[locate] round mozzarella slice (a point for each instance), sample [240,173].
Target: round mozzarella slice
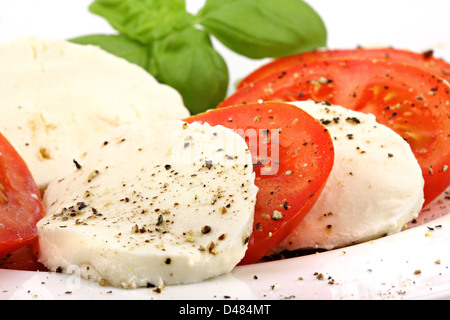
[55,96]
[374,189]
[168,204]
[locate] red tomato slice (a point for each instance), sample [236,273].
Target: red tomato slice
[22,259]
[424,60]
[292,159]
[20,202]
[411,101]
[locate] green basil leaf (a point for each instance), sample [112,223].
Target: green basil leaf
[263,28]
[144,20]
[187,61]
[118,45]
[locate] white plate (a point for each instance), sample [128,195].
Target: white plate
[413,264]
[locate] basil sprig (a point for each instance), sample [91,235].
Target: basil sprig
[175,46]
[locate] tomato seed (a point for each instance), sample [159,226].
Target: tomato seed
[3,197]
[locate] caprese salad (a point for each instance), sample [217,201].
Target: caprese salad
[314,151]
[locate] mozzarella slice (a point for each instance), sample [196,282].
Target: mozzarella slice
[167,204]
[374,188]
[55,96]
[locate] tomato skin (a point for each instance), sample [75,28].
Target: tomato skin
[20,203]
[424,60]
[411,101]
[301,155]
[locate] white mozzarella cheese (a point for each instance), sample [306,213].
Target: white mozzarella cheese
[167,204]
[374,189]
[55,96]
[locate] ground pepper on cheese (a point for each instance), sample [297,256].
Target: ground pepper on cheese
[57,96]
[143,208]
[374,189]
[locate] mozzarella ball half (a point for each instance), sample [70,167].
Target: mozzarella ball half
[374,189]
[170,203]
[56,97]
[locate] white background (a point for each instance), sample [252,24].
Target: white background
[411,24]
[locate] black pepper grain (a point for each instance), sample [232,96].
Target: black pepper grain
[160,220]
[206,229]
[77,165]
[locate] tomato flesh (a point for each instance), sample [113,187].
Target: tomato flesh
[408,99]
[292,158]
[22,259]
[424,60]
[20,203]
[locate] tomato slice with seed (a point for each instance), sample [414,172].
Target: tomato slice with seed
[292,156]
[424,60]
[20,203]
[411,101]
